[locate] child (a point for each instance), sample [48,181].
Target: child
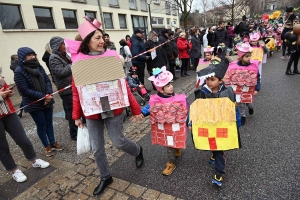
[214,87]
[244,63]
[208,54]
[278,37]
[162,80]
[134,82]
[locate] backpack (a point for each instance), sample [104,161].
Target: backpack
[237,28]
[122,52]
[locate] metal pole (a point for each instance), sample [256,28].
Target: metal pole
[101,15]
[150,15]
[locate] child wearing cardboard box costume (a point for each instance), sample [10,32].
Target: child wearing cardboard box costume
[168,114]
[100,92]
[244,77]
[213,117]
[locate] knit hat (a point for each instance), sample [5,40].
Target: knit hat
[243,48]
[55,43]
[161,77]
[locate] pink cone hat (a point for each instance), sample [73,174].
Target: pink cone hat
[243,48]
[88,26]
[208,49]
[161,77]
[254,36]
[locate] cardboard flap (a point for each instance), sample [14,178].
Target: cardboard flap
[95,70]
[202,66]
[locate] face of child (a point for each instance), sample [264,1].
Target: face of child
[168,89]
[213,83]
[134,76]
[208,56]
[254,43]
[246,58]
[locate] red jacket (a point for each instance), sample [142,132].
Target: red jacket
[183,48]
[8,102]
[129,44]
[77,111]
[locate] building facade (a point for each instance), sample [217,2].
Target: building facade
[32,23]
[261,6]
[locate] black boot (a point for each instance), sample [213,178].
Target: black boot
[139,160]
[243,121]
[102,185]
[289,72]
[20,112]
[296,71]
[251,111]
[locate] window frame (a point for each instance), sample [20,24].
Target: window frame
[111,18]
[50,10]
[125,17]
[95,13]
[146,5]
[20,13]
[135,4]
[75,13]
[114,5]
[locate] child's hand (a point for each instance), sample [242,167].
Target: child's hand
[190,128]
[255,93]
[141,86]
[135,118]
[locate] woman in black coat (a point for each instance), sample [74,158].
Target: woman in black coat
[209,36]
[196,47]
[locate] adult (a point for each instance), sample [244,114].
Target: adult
[10,123]
[220,36]
[127,38]
[110,45]
[210,36]
[196,47]
[230,31]
[137,47]
[172,62]
[46,58]
[33,84]
[60,66]
[125,52]
[93,45]
[205,40]
[177,32]
[184,48]
[243,27]
[159,59]
[290,14]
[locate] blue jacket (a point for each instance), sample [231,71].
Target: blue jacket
[25,85]
[137,47]
[133,83]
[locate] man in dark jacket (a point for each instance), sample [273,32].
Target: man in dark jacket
[137,47]
[60,66]
[110,44]
[220,36]
[243,28]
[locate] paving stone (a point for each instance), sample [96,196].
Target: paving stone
[90,189]
[42,194]
[87,161]
[91,180]
[135,190]
[150,194]
[58,163]
[53,187]
[88,170]
[44,183]
[53,196]
[79,188]
[108,193]
[82,197]
[163,196]
[92,157]
[119,184]
[120,196]
[28,193]
[62,180]
[70,195]
[24,163]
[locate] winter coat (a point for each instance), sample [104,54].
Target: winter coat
[196,50]
[13,65]
[46,58]
[128,43]
[183,46]
[230,31]
[25,85]
[7,102]
[167,47]
[243,29]
[161,58]
[133,82]
[137,47]
[209,38]
[219,36]
[284,31]
[125,49]
[175,52]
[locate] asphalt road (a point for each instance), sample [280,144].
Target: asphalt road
[267,165]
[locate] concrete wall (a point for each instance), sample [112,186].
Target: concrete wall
[36,38]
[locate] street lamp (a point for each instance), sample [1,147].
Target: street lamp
[149,10]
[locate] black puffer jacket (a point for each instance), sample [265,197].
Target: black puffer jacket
[219,36]
[167,47]
[160,60]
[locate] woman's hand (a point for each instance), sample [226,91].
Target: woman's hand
[135,118]
[4,93]
[78,122]
[48,98]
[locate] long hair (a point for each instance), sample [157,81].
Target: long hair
[84,46]
[48,48]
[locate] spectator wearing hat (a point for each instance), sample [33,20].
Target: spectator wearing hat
[137,47]
[110,45]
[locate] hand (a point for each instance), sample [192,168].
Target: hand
[79,123]
[190,128]
[4,93]
[48,98]
[141,86]
[135,118]
[11,93]
[255,93]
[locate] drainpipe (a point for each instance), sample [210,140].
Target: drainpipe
[101,15]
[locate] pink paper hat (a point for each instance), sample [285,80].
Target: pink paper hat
[88,26]
[161,77]
[243,48]
[254,36]
[208,49]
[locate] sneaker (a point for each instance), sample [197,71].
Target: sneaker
[177,153]
[211,160]
[218,179]
[57,147]
[251,111]
[19,176]
[39,163]
[282,57]
[169,169]
[49,151]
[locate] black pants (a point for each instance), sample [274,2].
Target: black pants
[12,125]
[67,101]
[140,69]
[219,157]
[196,62]
[184,65]
[284,48]
[172,68]
[293,59]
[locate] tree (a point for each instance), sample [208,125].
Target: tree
[184,7]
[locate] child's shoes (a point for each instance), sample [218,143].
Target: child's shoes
[212,160]
[217,180]
[251,111]
[169,169]
[243,120]
[177,153]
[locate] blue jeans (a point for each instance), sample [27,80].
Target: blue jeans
[44,122]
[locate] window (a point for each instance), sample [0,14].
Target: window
[143,5]
[10,17]
[70,19]
[202,132]
[132,4]
[222,133]
[156,1]
[44,18]
[140,22]
[174,9]
[158,20]
[108,20]
[90,14]
[122,20]
[168,21]
[168,8]
[272,7]
[113,2]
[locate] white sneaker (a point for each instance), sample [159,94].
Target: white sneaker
[40,163]
[19,176]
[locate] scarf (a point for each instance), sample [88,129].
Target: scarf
[33,68]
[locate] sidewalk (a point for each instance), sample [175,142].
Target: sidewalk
[73,176]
